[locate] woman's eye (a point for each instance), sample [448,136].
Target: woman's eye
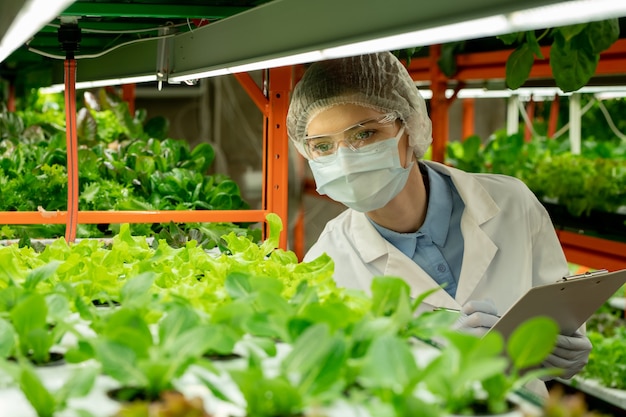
[322,147]
[363,135]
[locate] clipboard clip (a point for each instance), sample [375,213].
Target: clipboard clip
[587,274]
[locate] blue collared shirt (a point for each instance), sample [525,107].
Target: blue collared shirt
[437,247]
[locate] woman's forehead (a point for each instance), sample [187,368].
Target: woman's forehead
[338,118]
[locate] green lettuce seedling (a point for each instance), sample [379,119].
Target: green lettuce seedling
[47,402]
[476,372]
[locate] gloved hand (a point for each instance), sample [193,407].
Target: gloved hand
[477,317]
[570,354]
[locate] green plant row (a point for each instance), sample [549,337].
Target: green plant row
[125,163]
[593,180]
[607,331]
[175,311]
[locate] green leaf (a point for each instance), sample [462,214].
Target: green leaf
[387,293]
[511,38]
[29,314]
[568,32]
[58,307]
[80,353]
[389,364]
[79,384]
[37,343]
[573,63]
[37,395]
[136,291]
[145,165]
[192,343]
[176,321]
[157,127]
[275,225]
[518,66]
[532,342]
[533,43]
[86,126]
[602,34]
[265,325]
[7,338]
[238,285]
[268,397]
[326,378]
[447,59]
[307,349]
[128,328]
[204,155]
[119,362]
[40,274]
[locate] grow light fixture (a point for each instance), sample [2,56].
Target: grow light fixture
[558,14]
[28,18]
[537,93]
[57,88]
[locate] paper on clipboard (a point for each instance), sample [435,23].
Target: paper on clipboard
[569,301]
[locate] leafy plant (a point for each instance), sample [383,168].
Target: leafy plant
[476,372]
[574,54]
[606,360]
[125,163]
[32,322]
[147,364]
[581,183]
[47,402]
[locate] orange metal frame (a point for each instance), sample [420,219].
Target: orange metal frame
[275,168]
[592,251]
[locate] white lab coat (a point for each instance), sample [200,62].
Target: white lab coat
[510,245]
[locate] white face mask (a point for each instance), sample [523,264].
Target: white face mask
[365,180]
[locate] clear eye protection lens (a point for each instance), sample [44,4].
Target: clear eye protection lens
[324,147]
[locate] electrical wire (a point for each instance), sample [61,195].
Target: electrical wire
[609,120]
[238,118]
[527,120]
[131,31]
[99,54]
[565,127]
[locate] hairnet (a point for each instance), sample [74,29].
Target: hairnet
[378,81]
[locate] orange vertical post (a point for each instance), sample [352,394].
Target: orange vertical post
[530,112]
[438,106]
[554,116]
[11,98]
[277,158]
[468,117]
[72,150]
[128,95]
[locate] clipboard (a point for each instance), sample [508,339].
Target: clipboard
[570,301]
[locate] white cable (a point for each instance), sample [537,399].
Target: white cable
[527,120]
[221,160]
[565,127]
[99,54]
[609,120]
[88,30]
[239,117]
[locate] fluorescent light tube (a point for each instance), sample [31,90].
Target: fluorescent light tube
[566,13]
[559,14]
[258,65]
[57,88]
[537,93]
[33,16]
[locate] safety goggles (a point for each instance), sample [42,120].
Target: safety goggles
[353,137]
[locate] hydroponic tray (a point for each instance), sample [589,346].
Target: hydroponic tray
[616,397]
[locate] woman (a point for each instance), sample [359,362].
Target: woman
[363,126]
